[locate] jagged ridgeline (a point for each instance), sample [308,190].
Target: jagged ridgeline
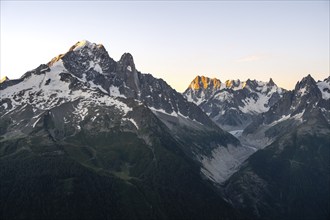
[86,137]
[233,104]
[289,177]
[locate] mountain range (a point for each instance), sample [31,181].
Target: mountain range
[87,137]
[233,104]
[288,177]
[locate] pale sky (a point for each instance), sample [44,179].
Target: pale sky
[175,40]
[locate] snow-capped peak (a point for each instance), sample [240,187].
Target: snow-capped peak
[77,48]
[85,44]
[81,44]
[271,82]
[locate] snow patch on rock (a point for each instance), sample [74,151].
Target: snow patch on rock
[255,106]
[324,87]
[114,91]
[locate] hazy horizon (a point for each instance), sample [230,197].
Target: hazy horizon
[176,41]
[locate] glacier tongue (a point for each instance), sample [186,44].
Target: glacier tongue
[224,161]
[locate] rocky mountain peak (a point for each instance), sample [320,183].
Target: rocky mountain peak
[271,82]
[202,82]
[126,63]
[251,84]
[306,81]
[307,87]
[85,44]
[82,44]
[79,46]
[86,58]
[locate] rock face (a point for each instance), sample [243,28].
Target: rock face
[233,104]
[86,137]
[202,88]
